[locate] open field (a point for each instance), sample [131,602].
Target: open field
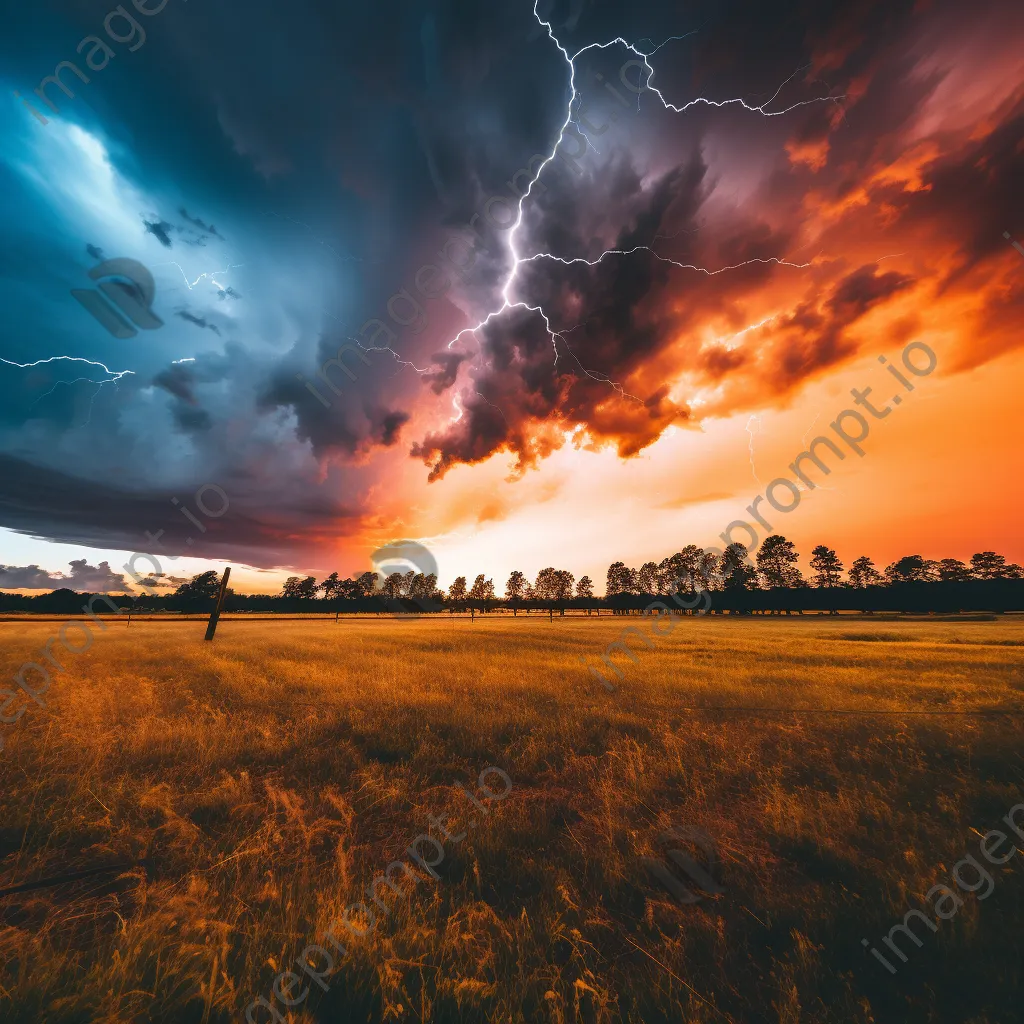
[269,776]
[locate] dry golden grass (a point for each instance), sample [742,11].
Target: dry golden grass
[272,774]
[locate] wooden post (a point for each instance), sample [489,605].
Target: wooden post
[211,626]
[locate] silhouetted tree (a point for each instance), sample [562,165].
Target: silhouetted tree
[987,565]
[585,587]
[647,578]
[424,587]
[776,562]
[544,584]
[911,569]
[952,570]
[863,573]
[515,589]
[298,586]
[364,586]
[332,586]
[705,567]
[564,582]
[457,591]
[739,573]
[670,571]
[827,567]
[617,580]
[392,586]
[482,589]
[203,587]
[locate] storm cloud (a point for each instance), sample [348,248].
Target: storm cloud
[816,183]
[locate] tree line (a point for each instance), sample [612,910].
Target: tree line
[771,579]
[774,565]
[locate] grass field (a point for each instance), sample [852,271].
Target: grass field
[268,777]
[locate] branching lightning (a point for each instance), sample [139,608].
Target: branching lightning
[664,259]
[112,375]
[209,273]
[518,260]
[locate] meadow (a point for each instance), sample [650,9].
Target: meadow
[266,778]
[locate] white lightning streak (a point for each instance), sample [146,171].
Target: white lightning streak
[403,363]
[517,260]
[750,447]
[171,263]
[112,376]
[118,374]
[664,259]
[650,53]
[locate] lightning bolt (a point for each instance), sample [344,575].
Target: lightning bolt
[403,363]
[190,286]
[513,241]
[750,447]
[664,259]
[650,53]
[112,376]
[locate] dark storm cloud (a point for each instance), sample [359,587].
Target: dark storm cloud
[448,363]
[814,336]
[366,412]
[199,321]
[609,319]
[859,291]
[158,580]
[383,130]
[46,503]
[208,229]
[178,380]
[160,230]
[82,577]
[974,193]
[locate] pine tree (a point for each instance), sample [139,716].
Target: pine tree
[863,573]
[776,562]
[827,567]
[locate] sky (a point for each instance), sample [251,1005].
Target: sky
[568,283]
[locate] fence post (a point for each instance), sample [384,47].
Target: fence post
[211,626]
